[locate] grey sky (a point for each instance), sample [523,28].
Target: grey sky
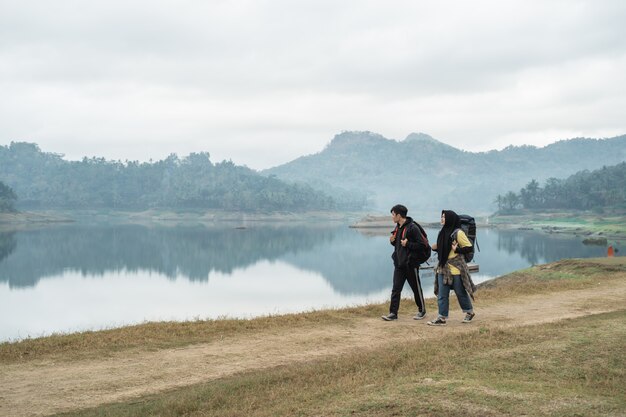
[263,82]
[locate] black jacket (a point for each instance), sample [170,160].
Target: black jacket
[402,254]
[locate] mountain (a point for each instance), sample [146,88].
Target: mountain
[428,175]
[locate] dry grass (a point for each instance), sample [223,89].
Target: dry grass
[572,368]
[161,335]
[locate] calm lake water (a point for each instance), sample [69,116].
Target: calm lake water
[77,277]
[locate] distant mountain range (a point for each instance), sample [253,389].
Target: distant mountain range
[428,175]
[356,170]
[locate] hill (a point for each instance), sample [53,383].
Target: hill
[428,175]
[44,180]
[600,190]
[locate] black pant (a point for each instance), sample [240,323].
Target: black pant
[400,275]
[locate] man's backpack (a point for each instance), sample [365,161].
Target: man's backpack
[468,225]
[422,253]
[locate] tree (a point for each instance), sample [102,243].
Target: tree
[511,201]
[529,195]
[7,198]
[499,201]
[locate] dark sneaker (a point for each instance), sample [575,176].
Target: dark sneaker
[390,317]
[440,321]
[468,317]
[420,315]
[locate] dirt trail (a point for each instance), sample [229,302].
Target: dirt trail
[44,387]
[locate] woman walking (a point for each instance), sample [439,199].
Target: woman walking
[452,272]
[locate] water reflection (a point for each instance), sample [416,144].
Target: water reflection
[351,262]
[190,252]
[7,244]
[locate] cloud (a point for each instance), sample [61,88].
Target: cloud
[263,82]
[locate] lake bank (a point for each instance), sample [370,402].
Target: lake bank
[24,220]
[535,348]
[584,224]
[573,223]
[44,218]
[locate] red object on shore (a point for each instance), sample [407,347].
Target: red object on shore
[610,252]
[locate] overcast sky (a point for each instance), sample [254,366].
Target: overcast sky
[263,82]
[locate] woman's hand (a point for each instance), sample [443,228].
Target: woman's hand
[455,245]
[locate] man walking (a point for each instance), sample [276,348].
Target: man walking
[406,239]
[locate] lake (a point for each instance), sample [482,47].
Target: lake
[89,277]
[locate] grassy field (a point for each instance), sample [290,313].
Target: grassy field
[573,367]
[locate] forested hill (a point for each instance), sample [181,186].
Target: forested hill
[46,180]
[602,189]
[429,175]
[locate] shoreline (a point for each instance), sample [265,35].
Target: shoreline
[576,224]
[33,219]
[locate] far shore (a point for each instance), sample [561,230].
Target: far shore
[29,219]
[584,224]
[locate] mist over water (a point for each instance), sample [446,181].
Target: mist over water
[79,277]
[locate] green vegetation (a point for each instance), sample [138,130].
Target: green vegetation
[46,180]
[7,198]
[600,190]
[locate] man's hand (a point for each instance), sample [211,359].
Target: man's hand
[403,242]
[392,238]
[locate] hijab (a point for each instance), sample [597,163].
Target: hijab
[444,239]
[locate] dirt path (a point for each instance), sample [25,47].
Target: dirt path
[43,387]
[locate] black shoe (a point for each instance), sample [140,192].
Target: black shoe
[440,321]
[420,315]
[468,317]
[390,317]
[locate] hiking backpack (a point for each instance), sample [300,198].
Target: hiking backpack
[422,253]
[468,225]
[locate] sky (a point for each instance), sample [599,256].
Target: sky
[262,82]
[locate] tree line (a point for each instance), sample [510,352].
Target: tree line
[46,180]
[604,188]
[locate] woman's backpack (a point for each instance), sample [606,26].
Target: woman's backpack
[468,225]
